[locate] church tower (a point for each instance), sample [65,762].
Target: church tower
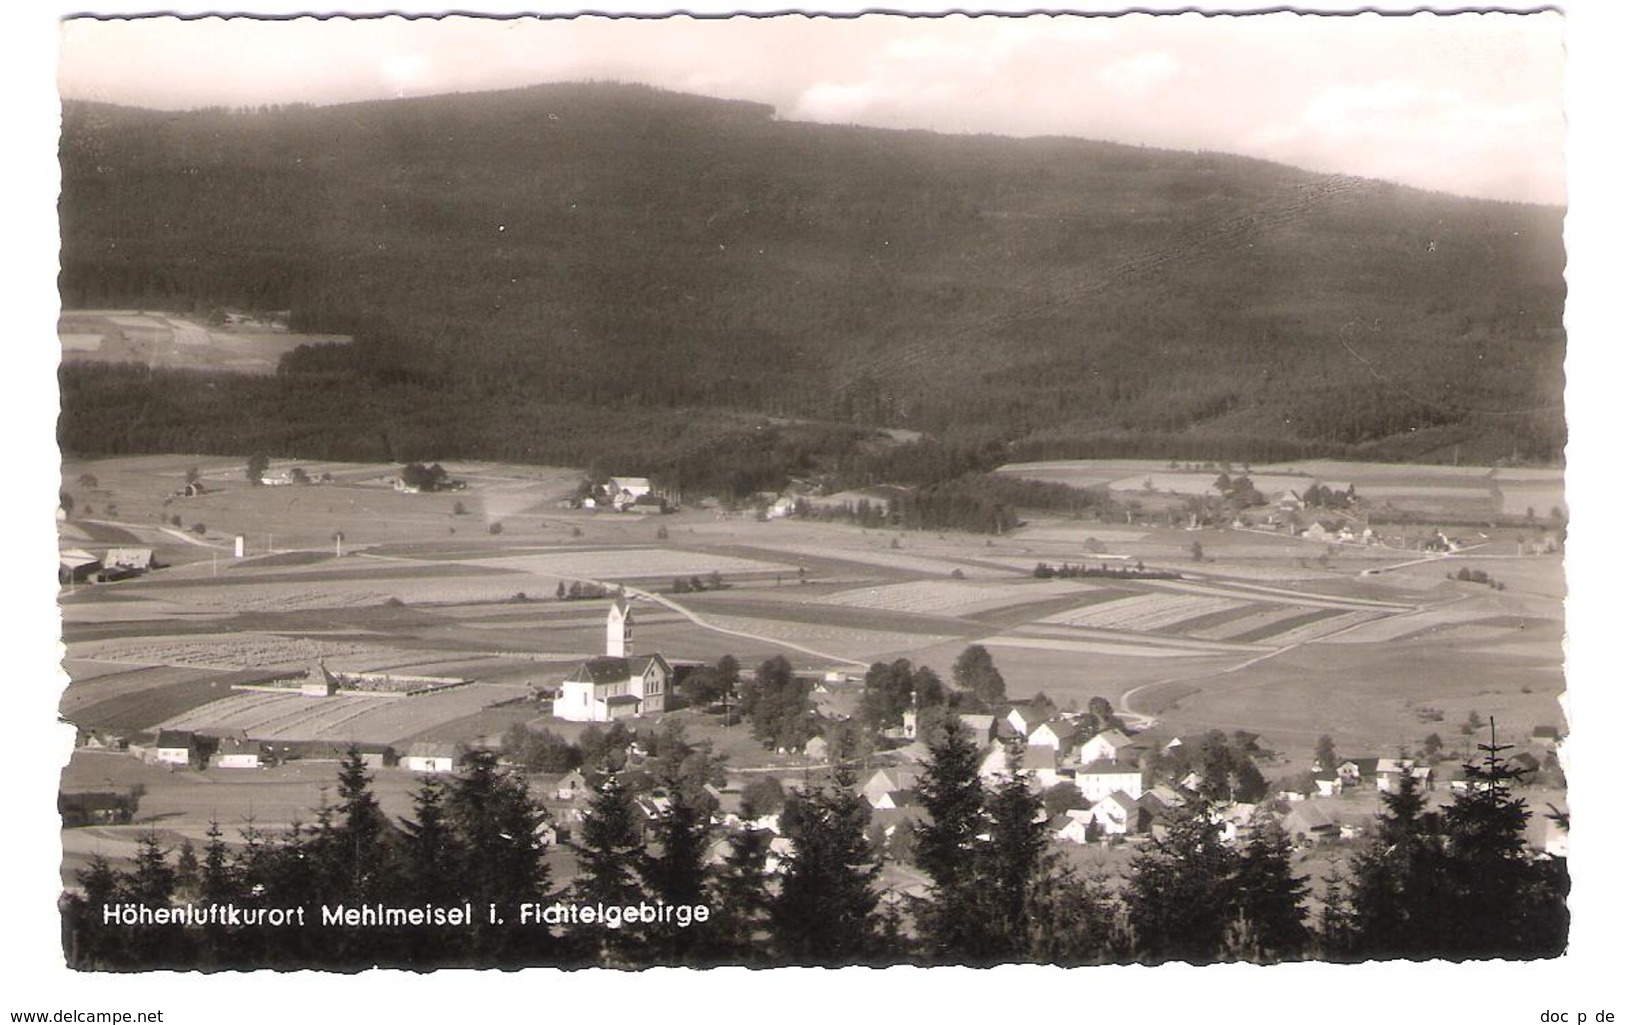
[618,630]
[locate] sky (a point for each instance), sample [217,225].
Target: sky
[1470,104]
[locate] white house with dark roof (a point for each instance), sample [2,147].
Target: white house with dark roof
[174,747]
[1117,814]
[1100,779]
[239,753]
[1107,745]
[430,757]
[619,684]
[1056,734]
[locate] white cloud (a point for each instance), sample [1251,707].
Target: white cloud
[834,103]
[1139,75]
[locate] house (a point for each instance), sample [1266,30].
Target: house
[1041,762]
[239,753]
[1100,779]
[881,788]
[1328,786]
[1389,771]
[1354,770]
[570,786]
[633,488]
[174,747]
[75,566]
[1117,814]
[1057,734]
[429,756]
[1307,822]
[1288,501]
[782,506]
[1024,718]
[1071,826]
[1317,531]
[1107,745]
[647,505]
[618,684]
[817,750]
[1546,735]
[137,560]
[980,727]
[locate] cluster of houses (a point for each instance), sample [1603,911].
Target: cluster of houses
[623,494]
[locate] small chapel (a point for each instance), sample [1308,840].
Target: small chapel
[618,684]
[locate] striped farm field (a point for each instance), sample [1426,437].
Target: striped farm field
[373,719]
[1145,612]
[1252,623]
[232,651]
[1322,627]
[950,597]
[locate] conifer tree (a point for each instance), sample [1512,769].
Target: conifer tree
[92,944]
[431,856]
[496,822]
[1180,891]
[357,841]
[1396,883]
[673,871]
[825,910]
[1018,858]
[1270,898]
[1502,903]
[952,922]
[607,858]
[740,896]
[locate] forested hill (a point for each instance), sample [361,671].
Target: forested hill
[555,272]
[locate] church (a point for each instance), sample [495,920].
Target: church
[618,684]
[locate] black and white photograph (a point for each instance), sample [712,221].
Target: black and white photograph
[870,490]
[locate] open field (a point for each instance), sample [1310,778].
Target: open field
[170,340]
[1446,491]
[1272,634]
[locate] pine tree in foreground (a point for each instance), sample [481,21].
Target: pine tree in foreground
[1180,894]
[825,910]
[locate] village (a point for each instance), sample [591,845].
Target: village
[226,703]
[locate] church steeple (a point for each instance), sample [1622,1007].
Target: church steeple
[618,630]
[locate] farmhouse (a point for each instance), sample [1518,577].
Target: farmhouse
[570,786]
[885,785]
[427,756]
[1071,826]
[75,566]
[1056,734]
[1099,780]
[1118,814]
[1107,745]
[980,727]
[174,747]
[136,559]
[1389,771]
[239,753]
[617,685]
